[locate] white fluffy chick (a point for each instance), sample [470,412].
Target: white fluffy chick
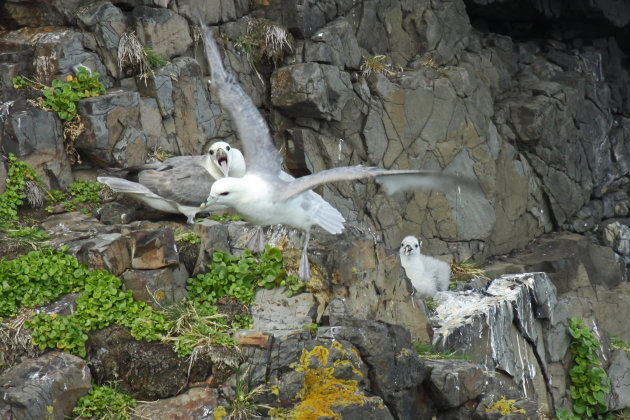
[428,275]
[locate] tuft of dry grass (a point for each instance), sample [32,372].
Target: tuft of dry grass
[463,272]
[375,64]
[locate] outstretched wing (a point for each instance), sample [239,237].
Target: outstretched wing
[392,180]
[260,153]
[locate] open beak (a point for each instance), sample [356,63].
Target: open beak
[222,160]
[407,249]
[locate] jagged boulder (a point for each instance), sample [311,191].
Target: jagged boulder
[48,386]
[148,370]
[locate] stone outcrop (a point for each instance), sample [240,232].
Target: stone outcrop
[48,386]
[535,112]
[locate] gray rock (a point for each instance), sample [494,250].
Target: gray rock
[106,23]
[113,135]
[311,90]
[35,137]
[165,31]
[196,403]
[116,213]
[273,310]
[619,375]
[506,317]
[47,386]
[334,44]
[158,287]
[453,382]
[152,249]
[148,370]
[107,251]
[57,52]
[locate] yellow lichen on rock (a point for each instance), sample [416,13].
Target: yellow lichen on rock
[322,390]
[505,407]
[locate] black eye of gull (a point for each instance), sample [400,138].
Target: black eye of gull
[228,148]
[224,193]
[416,245]
[211,152]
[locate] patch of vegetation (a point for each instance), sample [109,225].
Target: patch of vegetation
[226,217]
[80,192]
[198,328]
[136,58]
[240,277]
[61,97]
[590,383]
[188,236]
[463,272]
[20,178]
[425,351]
[265,40]
[243,405]
[505,407]
[42,276]
[105,403]
[618,344]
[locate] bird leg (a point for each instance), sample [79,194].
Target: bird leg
[257,242]
[303,271]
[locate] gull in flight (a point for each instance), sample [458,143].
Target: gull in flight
[428,275]
[266,195]
[181,183]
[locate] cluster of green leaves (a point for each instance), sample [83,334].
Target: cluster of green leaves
[154,60]
[590,383]
[79,192]
[42,276]
[37,278]
[102,302]
[105,402]
[189,236]
[226,217]
[19,173]
[62,97]
[240,277]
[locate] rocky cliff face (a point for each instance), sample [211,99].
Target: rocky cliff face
[530,99]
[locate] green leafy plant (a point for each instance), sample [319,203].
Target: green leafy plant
[19,82]
[189,236]
[62,97]
[18,175]
[239,277]
[226,217]
[102,302]
[589,382]
[105,403]
[80,192]
[154,60]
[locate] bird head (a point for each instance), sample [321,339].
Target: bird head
[409,246]
[220,156]
[224,192]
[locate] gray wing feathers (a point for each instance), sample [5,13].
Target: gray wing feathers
[260,153]
[189,185]
[123,186]
[393,180]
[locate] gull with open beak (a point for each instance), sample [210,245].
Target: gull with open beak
[179,184]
